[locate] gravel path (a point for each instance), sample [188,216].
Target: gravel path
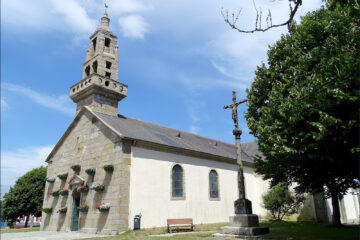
[45,235]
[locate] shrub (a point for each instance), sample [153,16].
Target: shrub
[76,168]
[109,168]
[83,208]
[63,176]
[90,171]
[50,179]
[62,210]
[103,207]
[99,188]
[55,193]
[64,192]
[82,188]
[47,210]
[280,202]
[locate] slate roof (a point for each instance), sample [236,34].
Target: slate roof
[132,128]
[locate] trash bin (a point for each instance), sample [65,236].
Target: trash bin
[137,220]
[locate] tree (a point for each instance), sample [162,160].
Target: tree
[281,202]
[294,6]
[25,197]
[304,105]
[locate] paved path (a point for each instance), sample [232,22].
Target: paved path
[46,235]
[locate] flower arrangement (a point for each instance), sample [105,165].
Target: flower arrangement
[62,210]
[83,208]
[103,207]
[63,176]
[82,188]
[47,210]
[90,171]
[98,187]
[76,168]
[64,192]
[109,168]
[55,194]
[50,179]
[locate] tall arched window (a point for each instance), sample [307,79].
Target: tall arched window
[177,182]
[213,185]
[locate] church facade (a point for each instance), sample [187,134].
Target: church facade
[108,168]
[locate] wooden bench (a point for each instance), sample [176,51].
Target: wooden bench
[183,223]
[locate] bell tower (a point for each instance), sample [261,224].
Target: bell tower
[99,88]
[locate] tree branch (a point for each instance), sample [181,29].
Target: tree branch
[258,28]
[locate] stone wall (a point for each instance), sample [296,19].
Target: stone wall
[91,145]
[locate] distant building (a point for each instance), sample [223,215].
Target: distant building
[158,172]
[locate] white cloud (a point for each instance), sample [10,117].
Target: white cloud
[26,14]
[61,103]
[133,26]
[16,163]
[3,104]
[75,16]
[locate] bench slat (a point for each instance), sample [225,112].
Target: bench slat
[180,221]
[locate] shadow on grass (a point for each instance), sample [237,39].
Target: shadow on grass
[310,231]
[278,230]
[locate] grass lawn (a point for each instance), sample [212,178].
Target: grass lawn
[278,230]
[310,231]
[8,230]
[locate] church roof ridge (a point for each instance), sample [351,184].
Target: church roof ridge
[151,133]
[132,128]
[181,131]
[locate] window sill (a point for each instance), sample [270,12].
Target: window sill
[214,199]
[177,198]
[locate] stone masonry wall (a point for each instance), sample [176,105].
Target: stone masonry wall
[100,104]
[91,145]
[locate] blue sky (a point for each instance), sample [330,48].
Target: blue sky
[179,58]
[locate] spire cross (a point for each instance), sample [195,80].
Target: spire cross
[106,6]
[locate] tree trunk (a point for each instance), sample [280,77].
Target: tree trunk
[26,221]
[336,209]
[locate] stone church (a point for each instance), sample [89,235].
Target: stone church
[108,168]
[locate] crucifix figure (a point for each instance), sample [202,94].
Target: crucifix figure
[234,106]
[242,205]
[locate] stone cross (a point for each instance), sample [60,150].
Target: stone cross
[234,106]
[242,205]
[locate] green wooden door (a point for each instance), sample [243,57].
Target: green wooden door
[75,215]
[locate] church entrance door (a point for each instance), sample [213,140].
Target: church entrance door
[75,214]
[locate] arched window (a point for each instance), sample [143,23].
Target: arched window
[177,182]
[213,185]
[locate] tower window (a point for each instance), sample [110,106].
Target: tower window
[107,83]
[87,70]
[94,66]
[94,44]
[107,74]
[108,65]
[107,42]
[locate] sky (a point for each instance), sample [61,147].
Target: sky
[180,61]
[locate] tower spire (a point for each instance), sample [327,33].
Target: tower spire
[99,89]
[106,6]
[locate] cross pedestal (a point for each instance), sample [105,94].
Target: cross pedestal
[243,223]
